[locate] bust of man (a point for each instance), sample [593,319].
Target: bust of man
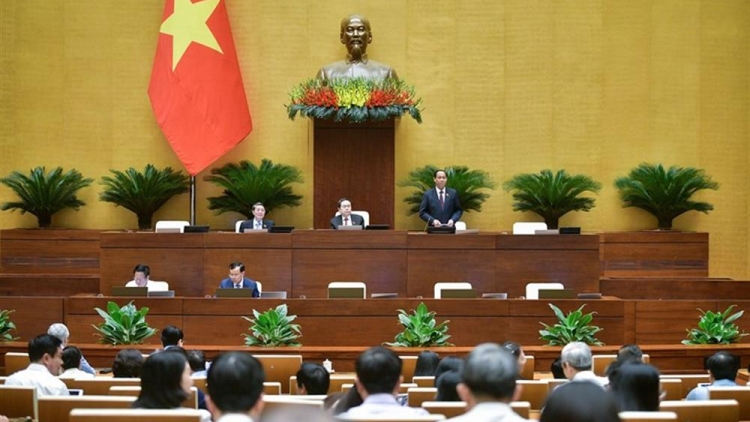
[356,35]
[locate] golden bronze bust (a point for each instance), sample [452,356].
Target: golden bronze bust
[356,35]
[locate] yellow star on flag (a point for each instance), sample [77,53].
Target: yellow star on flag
[188,24]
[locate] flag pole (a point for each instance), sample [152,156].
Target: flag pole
[192,200]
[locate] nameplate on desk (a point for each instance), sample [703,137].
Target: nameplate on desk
[161,293]
[234,292]
[356,227]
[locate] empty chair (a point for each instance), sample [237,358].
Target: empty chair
[527,372]
[532,289]
[534,392]
[57,408]
[15,361]
[171,226]
[703,410]
[279,368]
[347,289]
[647,416]
[689,381]
[527,227]
[439,287]
[18,402]
[417,395]
[671,388]
[130,415]
[741,394]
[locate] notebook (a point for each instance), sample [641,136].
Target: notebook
[196,229]
[129,291]
[234,292]
[281,229]
[350,228]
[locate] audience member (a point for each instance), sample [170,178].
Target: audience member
[237,279]
[258,222]
[427,363]
[331,400]
[635,386]
[235,388]
[345,217]
[378,378]
[449,363]
[722,371]
[45,355]
[488,385]
[349,400]
[557,369]
[440,206]
[172,336]
[165,383]
[60,331]
[580,402]
[71,358]
[517,352]
[627,353]
[312,379]
[446,385]
[197,361]
[127,364]
[199,393]
[576,363]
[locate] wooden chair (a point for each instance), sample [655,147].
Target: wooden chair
[450,409]
[272,388]
[534,392]
[130,415]
[600,363]
[647,416]
[417,395]
[408,365]
[402,389]
[689,381]
[57,408]
[15,361]
[703,410]
[132,391]
[672,388]
[424,381]
[527,372]
[741,394]
[337,380]
[275,403]
[743,376]
[279,368]
[553,383]
[18,402]
[200,383]
[100,386]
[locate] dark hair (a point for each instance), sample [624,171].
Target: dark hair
[161,382]
[237,264]
[127,364]
[635,386]
[314,377]
[350,399]
[491,371]
[379,370]
[427,363]
[446,386]
[342,200]
[171,336]
[434,175]
[41,345]
[723,365]
[557,369]
[235,381]
[256,204]
[630,352]
[140,268]
[71,357]
[580,402]
[197,360]
[513,348]
[448,363]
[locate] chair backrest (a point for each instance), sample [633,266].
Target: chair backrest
[460,225]
[200,383]
[57,408]
[450,409]
[534,392]
[424,381]
[528,228]
[277,402]
[272,388]
[132,391]
[553,383]
[415,396]
[404,387]
[523,408]
[364,214]
[158,286]
[18,402]
[672,388]
[130,415]
[703,410]
[100,386]
[439,287]
[600,363]
[527,372]
[532,289]
[279,368]
[689,381]
[741,394]
[380,418]
[171,226]
[237,225]
[15,361]
[647,416]
[336,381]
[348,286]
[408,365]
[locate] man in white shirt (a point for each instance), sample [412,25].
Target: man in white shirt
[576,363]
[45,354]
[378,380]
[235,388]
[141,274]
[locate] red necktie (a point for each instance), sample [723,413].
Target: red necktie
[346,221]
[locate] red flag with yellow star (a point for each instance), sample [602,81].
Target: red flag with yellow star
[196,87]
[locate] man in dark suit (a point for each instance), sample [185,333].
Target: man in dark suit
[257,222]
[440,206]
[345,217]
[237,279]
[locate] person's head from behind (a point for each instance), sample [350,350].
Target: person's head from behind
[46,350]
[235,385]
[312,379]
[446,385]
[427,363]
[517,352]
[345,207]
[575,357]
[71,357]
[440,177]
[60,331]
[635,386]
[259,211]
[582,401]
[489,375]
[556,368]
[448,363]
[197,360]
[165,381]
[350,399]
[356,35]
[127,364]
[378,371]
[722,366]
[236,272]
[171,336]
[630,353]
[140,275]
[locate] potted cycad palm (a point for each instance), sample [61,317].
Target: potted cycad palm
[469,186]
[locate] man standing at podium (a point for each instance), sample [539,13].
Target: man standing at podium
[237,279]
[440,206]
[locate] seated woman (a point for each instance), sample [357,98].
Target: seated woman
[426,365]
[127,364]
[517,352]
[580,401]
[446,386]
[635,386]
[166,383]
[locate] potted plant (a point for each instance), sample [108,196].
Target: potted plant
[467,183]
[43,194]
[716,328]
[664,193]
[6,325]
[573,327]
[126,325]
[273,328]
[551,195]
[143,193]
[421,329]
[245,184]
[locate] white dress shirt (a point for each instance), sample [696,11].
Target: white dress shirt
[37,375]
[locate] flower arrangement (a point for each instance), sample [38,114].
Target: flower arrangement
[355,100]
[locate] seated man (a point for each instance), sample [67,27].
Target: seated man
[71,358]
[235,387]
[172,336]
[45,354]
[127,364]
[312,379]
[722,371]
[378,378]
[258,222]
[60,331]
[141,279]
[197,361]
[345,217]
[576,363]
[237,279]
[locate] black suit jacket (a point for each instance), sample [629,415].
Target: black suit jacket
[430,209]
[249,224]
[357,220]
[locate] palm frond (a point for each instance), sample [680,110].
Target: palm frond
[467,184]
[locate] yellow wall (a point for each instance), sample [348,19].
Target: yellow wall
[511,86]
